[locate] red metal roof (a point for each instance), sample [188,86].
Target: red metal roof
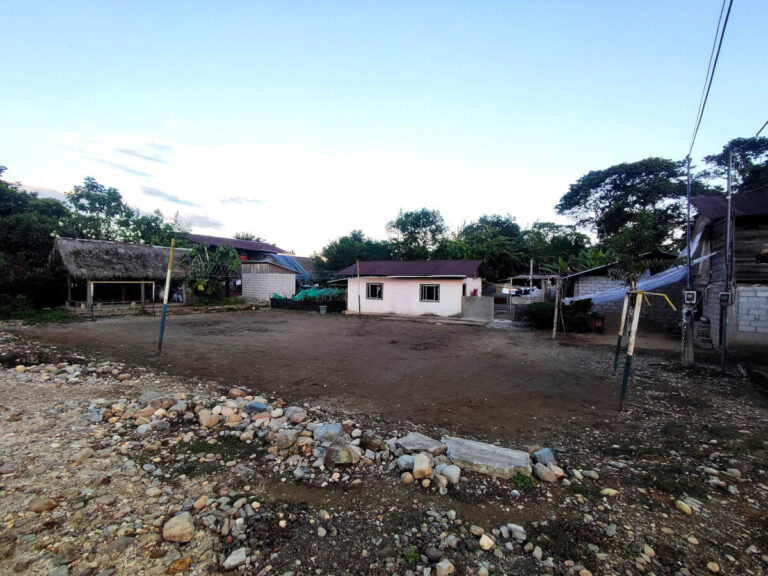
[746,204]
[415,268]
[236,244]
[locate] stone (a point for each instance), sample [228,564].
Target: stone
[444,568]
[543,473]
[608,492]
[713,567]
[537,553]
[487,458]
[372,441]
[405,462]
[237,393]
[255,406]
[544,456]
[179,566]
[237,558]
[328,432]
[295,414]
[590,474]
[342,452]
[476,530]
[41,504]
[180,528]
[415,442]
[610,530]
[207,419]
[200,503]
[406,478]
[452,473]
[433,554]
[421,466]
[286,438]
[277,413]
[683,507]
[559,473]
[82,456]
[321,532]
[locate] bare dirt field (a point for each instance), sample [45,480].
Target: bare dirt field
[491,383]
[209,458]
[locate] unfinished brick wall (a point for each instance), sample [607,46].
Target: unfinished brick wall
[594,284]
[260,287]
[753,309]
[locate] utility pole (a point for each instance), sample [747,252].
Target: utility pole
[724,305]
[687,322]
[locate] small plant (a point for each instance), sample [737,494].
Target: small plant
[411,555]
[523,481]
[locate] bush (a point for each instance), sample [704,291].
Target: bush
[540,314]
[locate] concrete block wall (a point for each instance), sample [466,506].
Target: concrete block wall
[752,309]
[659,311]
[260,287]
[594,284]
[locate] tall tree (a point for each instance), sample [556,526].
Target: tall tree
[606,200]
[414,235]
[99,213]
[750,164]
[346,250]
[549,244]
[248,236]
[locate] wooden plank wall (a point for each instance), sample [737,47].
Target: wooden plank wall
[750,257]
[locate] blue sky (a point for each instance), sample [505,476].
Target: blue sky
[301,121]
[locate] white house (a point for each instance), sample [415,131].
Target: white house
[416,288]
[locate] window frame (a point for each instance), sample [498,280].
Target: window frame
[368,286]
[422,288]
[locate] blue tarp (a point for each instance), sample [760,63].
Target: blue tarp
[289,263]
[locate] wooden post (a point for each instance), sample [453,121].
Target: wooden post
[631,347]
[622,323]
[143,296]
[557,307]
[89,293]
[69,290]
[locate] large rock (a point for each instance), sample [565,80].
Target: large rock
[286,438]
[41,504]
[237,558]
[180,528]
[342,452]
[544,473]
[295,414]
[372,441]
[415,442]
[422,468]
[328,432]
[487,458]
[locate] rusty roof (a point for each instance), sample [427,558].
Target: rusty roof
[235,243]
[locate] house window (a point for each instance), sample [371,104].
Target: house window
[430,293]
[374,291]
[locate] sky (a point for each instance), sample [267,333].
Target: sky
[300,121]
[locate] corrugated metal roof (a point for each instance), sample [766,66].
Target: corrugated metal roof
[415,268]
[746,204]
[234,242]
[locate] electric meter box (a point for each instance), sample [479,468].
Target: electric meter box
[690,296]
[725,298]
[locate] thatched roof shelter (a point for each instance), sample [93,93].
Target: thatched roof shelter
[104,260]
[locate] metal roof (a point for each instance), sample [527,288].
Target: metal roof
[287,262]
[234,242]
[745,204]
[414,268]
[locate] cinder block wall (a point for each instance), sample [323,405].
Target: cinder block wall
[260,287]
[594,284]
[752,314]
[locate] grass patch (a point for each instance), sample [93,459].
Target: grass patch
[568,539]
[523,481]
[674,481]
[411,555]
[36,315]
[230,448]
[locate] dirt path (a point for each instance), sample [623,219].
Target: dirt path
[489,383]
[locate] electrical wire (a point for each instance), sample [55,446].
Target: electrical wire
[710,73]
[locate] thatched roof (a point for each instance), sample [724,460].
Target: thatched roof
[103,260]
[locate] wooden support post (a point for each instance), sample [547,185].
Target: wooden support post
[69,290]
[89,294]
[622,324]
[143,296]
[557,308]
[631,347]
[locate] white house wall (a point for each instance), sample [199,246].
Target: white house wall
[402,296]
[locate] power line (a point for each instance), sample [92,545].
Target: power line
[711,72]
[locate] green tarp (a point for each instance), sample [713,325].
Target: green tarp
[315,294]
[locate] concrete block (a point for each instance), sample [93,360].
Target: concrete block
[487,458]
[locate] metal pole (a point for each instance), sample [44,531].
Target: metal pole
[359,305]
[688,225]
[631,347]
[557,305]
[165,298]
[622,324]
[724,305]
[687,354]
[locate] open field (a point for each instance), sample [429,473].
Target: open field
[94,467]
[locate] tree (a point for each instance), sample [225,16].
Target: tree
[347,250]
[99,213]
[496,240]
[549,244]
[749,167]
[414,235]
[210,269]
[607,200]
[248,236]
[154,229]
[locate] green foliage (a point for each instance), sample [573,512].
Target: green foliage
[750,164]
[248,236]
[20,308]
[550,245]
[347,250]
[98,212]
[210,268]
[523,481]
[411,555]
[541,314]
[415,235]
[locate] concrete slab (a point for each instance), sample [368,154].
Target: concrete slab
[414,443]
[487,458]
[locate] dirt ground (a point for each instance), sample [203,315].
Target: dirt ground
[489,383]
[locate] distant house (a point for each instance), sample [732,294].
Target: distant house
[272,274]
[416,287]
[747,324]
[245,248]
